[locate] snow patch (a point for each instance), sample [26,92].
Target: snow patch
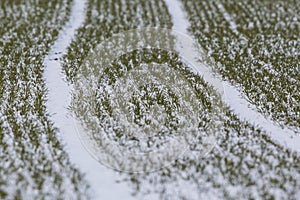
[233,97]
[103,181]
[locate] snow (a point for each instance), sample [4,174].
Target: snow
[103,181]
[247,111]
[232,96]
[227,17]
[180,22]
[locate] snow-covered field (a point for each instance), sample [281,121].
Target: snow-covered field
[241,85]
[33,163]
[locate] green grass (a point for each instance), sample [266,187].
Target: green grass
[261,56]
[33,163]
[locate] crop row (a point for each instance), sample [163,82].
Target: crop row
[243,153]
[33,163]
[254,44]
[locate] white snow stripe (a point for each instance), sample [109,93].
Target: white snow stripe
[235,99]
[101,179]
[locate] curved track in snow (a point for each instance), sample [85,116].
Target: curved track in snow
[101,179]
[233,97]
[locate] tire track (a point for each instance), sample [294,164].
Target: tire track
[233,97]
[101,179]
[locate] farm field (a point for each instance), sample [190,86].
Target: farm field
[33,163]
[255,45]
[141,99]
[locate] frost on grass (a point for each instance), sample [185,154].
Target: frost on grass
[244,164]
[143,106]
[33,164]
[254,44]
[105,18]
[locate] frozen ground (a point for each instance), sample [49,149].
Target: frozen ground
[33,163]
[256,156]
[231,94]
[101,179]
[254,46]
